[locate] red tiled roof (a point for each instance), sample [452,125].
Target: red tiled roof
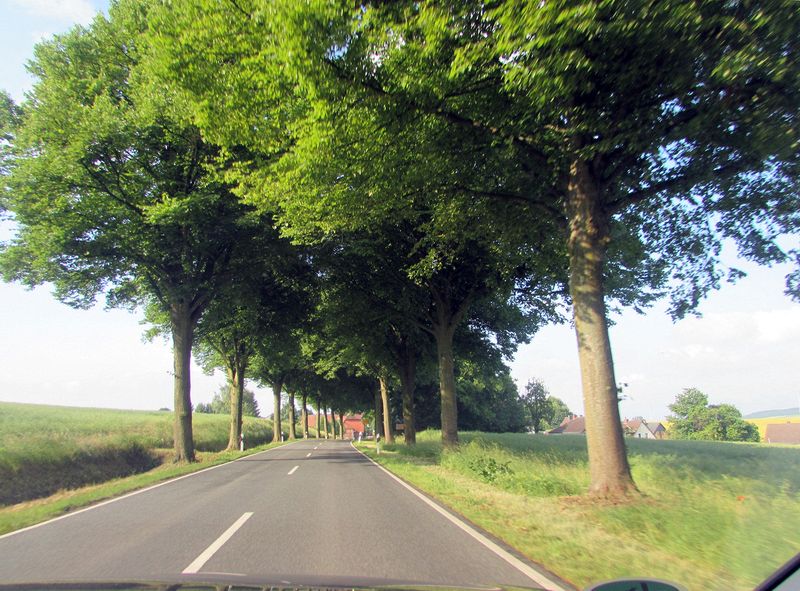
[783,433]
[576,425]
[632,424]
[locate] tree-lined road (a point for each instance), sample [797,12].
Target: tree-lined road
[313,512]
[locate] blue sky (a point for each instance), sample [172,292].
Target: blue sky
[744,350]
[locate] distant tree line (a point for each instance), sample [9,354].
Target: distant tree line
[221,403]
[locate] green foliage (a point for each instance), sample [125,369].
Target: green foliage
[112,196]
[693,418]
[10,115]
[221,403]
[501,100]
[487,395]
[486,467]
[545,411]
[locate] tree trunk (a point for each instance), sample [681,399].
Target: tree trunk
[387,414]
[319,419]
[330,424]
[407,371]
[447,385]
[276,414]
[341,425]
[237,403]
[304,415]
[292,433]
[588,240]
[379,414]
[182,325]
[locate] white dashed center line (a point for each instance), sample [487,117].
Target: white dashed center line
[293,470]
[218,543]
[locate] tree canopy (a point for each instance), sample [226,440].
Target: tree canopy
[694,418]
[545,411]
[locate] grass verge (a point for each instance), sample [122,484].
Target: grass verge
[14,517]
[44,449]
[714,516]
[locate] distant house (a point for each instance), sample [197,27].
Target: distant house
[352,424]
[641,429]
[571,425]
[783,433]
[638,428]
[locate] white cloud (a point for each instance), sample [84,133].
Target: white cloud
[776,326]
[72,11]
[716,327]
[722,328]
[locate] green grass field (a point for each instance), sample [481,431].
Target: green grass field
[47,448]
[712,515]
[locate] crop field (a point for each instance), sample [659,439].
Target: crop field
[712,515]
[47,448]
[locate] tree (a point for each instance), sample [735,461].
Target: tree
[536,401]
[112,190]
[391,289]
[266,297]
[560,411]
[693,418]
[488,399]
[274,362]
[687,413]
[221,403]
[369,312]
[545,411]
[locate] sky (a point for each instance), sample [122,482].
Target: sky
[744,350]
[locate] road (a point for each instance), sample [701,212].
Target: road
[313,512]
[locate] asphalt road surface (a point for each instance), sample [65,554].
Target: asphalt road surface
[314,512]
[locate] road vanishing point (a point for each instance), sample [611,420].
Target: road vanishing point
[310,513]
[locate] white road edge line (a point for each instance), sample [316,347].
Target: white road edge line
[292,471]
[136,492]
[534,575]
[216,545]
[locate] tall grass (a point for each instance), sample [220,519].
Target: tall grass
[712,515]
[46,448]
